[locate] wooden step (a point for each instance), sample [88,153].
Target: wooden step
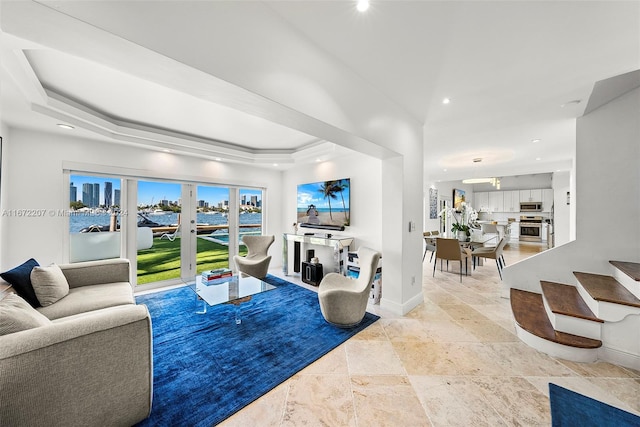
[528,311]
[565,300]
[631,269]
[607,289]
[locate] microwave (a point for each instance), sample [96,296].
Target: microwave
[530,206]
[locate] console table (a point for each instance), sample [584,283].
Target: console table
[295,244]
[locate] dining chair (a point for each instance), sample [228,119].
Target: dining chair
[429,244]
[450,250]
[492,253]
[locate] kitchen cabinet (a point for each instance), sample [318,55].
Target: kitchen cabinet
[533,195]
[511,201]
[481,201]
[547,199]
[496,201]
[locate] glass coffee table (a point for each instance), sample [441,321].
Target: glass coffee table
[234,290]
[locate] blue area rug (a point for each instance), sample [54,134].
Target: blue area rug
[569,409]
[206,367]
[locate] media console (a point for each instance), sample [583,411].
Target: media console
[294,245]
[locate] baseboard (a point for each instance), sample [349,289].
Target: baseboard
[401,309]
[620,358]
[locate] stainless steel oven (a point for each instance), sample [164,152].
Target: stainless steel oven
[531,228]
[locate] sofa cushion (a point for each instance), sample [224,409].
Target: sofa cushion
[89,298]
[49,284]
[17,315]
[20,278]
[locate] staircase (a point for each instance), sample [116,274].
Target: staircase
[599,315]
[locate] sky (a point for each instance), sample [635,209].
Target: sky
[311,194]
[151,192]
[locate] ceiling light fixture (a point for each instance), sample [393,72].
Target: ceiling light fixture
[535,140]
[477,180]
[362,5]
[446,101]
[65,126]
[493,181]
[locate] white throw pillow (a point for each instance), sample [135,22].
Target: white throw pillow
[17,315]
[49,284]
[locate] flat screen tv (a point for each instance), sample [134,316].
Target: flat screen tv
[324,204]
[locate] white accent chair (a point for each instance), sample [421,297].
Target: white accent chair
[343,301]
[256,263]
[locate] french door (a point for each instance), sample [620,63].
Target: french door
[170,230]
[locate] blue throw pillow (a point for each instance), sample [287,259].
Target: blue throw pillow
[20,278]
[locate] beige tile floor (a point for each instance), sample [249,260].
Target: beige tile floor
[453,361]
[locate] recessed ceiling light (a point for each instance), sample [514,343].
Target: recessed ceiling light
[166,150]
[275,164]
[446,101]
[538,158]
[65,126]
[218,159]
[444,170]
[362,5]
[535,140]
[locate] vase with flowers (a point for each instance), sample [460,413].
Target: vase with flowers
[460,227]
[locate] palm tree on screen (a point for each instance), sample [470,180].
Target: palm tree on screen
[340,186]
[328,189]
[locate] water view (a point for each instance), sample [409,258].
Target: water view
[79,221]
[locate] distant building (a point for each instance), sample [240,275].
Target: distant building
[96,195]
[254,201]
[108,194]
[116,197]
[73,193]
[91,195]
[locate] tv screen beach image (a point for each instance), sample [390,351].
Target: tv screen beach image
[324,203]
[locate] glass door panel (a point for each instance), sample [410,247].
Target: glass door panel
[159,209]
[94,218]
[250,214]
[212,213]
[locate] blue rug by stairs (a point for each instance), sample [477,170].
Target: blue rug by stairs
[206,367]
[569,409]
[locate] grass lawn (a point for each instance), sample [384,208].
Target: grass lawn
[162,260]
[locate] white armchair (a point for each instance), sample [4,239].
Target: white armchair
[343,301]
[256,263]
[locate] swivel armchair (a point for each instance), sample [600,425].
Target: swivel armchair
[256,263]
[343,301]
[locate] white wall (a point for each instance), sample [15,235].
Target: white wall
[32,178]
[562,217]
[365,201]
